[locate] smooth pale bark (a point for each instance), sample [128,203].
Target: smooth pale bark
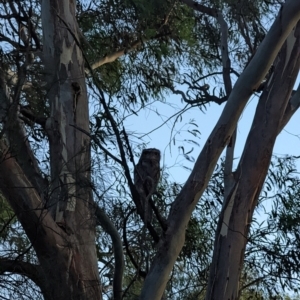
[70,203]
[172,241]
[107,225]
[58,217]
[236,216]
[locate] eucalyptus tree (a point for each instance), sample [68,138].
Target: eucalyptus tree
[124,54]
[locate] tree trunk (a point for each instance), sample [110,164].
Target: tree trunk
[173,240]
[239,205]
[57,217]
[71,200]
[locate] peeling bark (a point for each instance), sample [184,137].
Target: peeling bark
[172,242]
[70,203]
[61,227]
[237,212]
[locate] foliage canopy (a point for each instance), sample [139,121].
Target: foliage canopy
[138,53]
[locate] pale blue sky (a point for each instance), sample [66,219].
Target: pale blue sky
[288,142]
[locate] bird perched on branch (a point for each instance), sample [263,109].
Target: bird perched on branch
[146,178]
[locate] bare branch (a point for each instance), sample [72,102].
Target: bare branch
[113,56]
[291,108]
[199,100]
[107,225]
[133,190]
[29,114]
[201,8]
[228,176]
[98,144]
[32,271]
[26,202]
[245,34]
[224,52]
[15,132]
[255,281]
[128,252]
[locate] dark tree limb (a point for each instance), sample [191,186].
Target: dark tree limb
[107,225]
[14,130]
[291,108]
[201,8]
[143,274]
[32,271]
[229,156]
[30,115]
[200,100]
[27,203]
[161,220]
[98,144]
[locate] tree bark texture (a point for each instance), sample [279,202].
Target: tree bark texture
[172,242]
[57,216]
[236,216]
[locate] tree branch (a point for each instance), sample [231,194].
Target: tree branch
[98,144]
[14,131]
[228,176]
[133,190]
[184,204]
[199,100]
[108,58]
[103,220]
[135,264]
[113,56]
[291,108]
[27,203]
[245,33]
[201,8]
[29,114]
[255,161]
[33,272]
